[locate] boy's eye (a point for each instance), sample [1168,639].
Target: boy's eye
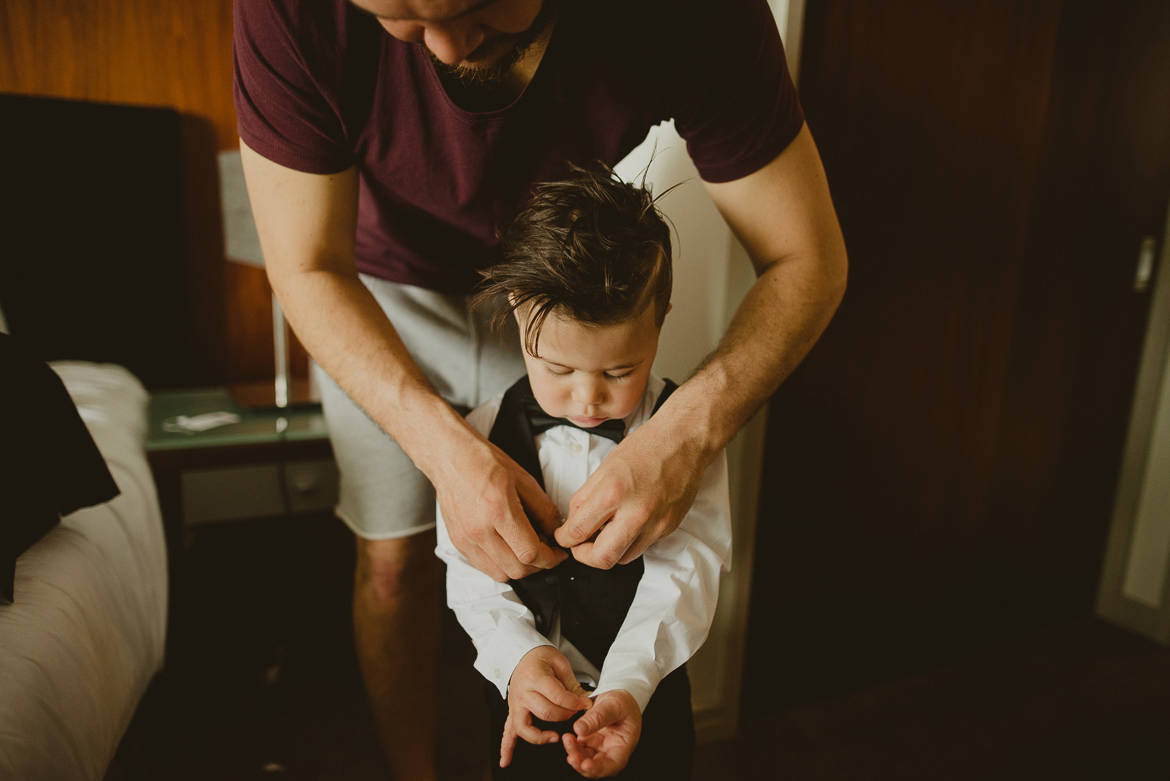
[556,373]
[622,376]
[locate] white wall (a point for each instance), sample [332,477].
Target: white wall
[711,275]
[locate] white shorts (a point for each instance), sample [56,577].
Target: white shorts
[383,496]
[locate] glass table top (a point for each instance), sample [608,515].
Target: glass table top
[174,418]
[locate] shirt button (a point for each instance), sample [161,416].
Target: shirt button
[574,448]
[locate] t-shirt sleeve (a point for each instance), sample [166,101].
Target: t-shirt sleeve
[737,106]
[284,55]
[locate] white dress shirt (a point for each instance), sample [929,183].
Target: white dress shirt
[675,601]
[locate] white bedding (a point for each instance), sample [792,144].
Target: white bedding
[85,635]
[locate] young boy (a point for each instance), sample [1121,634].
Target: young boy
[586,272]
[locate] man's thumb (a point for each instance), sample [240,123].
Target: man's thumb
[539,507]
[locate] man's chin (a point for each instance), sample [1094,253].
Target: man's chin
[491,64]
[487,66]
[475,74]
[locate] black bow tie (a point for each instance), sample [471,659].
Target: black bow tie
[539,422]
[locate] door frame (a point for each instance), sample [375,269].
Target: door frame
[1134,590]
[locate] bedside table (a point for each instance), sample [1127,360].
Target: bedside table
[270,463]
[253,548]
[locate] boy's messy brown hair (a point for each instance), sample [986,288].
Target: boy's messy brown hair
[591,248]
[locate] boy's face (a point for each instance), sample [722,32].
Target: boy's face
[591,374]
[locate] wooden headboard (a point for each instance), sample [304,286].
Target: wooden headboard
[91,247]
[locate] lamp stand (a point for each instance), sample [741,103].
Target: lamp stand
[280,346]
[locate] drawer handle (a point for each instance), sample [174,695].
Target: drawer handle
[306,484]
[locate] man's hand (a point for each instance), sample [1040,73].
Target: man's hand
[543,685]
[640,493]
[484,495]
[606,735]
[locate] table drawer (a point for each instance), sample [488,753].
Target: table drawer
[312,485]
[257,491]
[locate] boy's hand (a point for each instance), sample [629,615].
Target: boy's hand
[543,685]
[606,735]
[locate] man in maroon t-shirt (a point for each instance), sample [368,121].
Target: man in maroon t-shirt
[384,143]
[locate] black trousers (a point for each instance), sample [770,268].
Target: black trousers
[665,751]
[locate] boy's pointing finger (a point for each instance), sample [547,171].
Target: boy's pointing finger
[507,744]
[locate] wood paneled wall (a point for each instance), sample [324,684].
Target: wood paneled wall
[176,54]
[940,470]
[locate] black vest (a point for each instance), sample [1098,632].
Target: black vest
[593,602]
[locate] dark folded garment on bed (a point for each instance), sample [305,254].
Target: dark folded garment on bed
[51,466]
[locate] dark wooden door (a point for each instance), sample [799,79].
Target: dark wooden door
[940,470]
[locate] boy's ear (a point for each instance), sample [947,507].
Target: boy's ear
[669,307]
[515,310]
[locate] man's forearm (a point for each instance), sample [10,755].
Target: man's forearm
[307,224]
[775,326]
[484,494]
[345,330]
[784,217]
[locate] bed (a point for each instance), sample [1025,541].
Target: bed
[86,633]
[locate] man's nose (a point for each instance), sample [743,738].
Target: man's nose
[451,43]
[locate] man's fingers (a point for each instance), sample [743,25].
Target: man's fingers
[538,506]
[611,546]
[501,563]
[638,547]
[483,562]
[483,546]
[587,514]
[485,517]
[514,548]
[525,547]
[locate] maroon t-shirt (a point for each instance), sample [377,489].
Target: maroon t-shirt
[321,87]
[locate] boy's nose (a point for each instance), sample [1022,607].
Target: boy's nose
[589,394]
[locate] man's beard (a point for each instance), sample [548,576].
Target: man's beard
[519,44]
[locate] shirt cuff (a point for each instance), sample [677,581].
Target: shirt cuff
[510,642]
[636,674]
